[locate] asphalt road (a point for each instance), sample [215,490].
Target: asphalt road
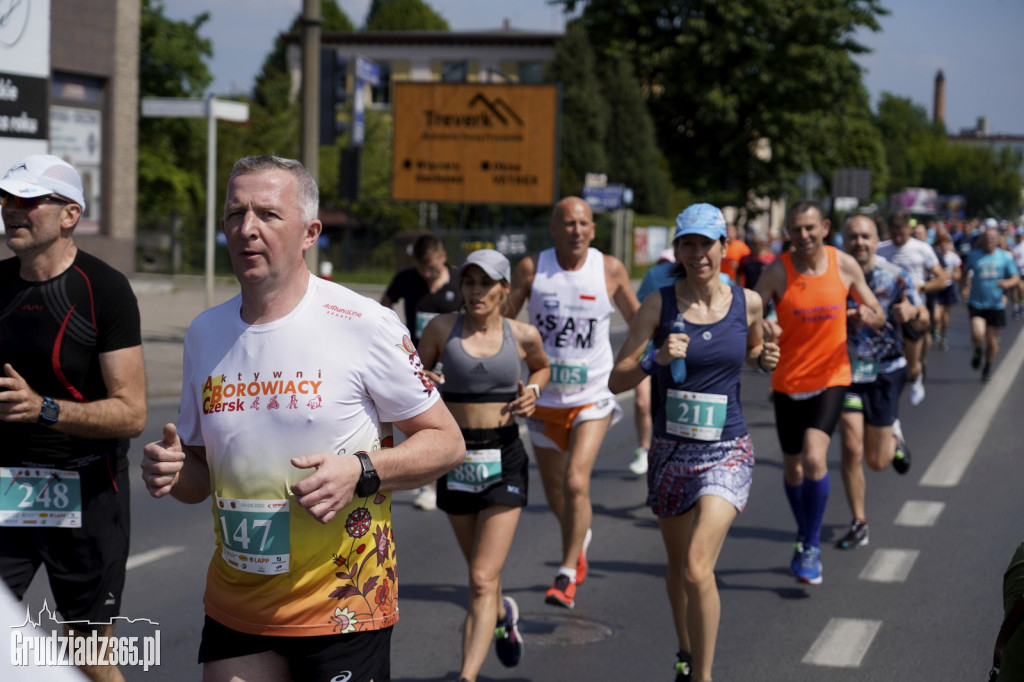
[921,602]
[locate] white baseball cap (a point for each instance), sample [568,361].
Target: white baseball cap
[491,262]
[42,174]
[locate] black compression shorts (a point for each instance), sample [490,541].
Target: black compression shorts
[794,417]
[511,489]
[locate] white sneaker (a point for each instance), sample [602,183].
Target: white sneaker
[639,464]
[426,498]
[917,391]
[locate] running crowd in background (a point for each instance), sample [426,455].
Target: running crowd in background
[893,284]
[841,329]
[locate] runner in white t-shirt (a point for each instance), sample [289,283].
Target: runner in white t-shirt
[928,275]
[289,391]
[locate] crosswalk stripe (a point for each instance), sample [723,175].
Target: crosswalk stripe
[143,558]
[919,513]
[951,462]
[843,643]
[889,565]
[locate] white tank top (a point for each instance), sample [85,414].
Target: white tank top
[572,312]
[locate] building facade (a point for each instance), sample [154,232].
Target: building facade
[72,68]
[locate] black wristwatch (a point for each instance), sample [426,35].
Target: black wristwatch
[369,482]
[49,413]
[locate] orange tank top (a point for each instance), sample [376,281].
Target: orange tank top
[812,314]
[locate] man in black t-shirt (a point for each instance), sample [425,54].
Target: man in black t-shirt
[72,392]
[428,289]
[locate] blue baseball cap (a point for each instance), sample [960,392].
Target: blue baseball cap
[702,219]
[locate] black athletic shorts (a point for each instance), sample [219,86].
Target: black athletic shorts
[351,656]
[879,400]
[511,489]
[86,566]
[993,318]
[794,417]
[911,334]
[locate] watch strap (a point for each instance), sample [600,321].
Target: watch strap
[369,481]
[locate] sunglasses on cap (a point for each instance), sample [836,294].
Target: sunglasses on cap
[7,199]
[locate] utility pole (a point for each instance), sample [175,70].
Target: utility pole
[312,18]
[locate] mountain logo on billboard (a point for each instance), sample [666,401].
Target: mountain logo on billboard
[498,107]
[483,113]
[13,20]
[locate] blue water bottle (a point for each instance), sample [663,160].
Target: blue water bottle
[679,364]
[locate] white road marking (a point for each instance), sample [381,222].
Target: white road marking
[919,513]
[951,462]
[889,565]
[136,560]
[843,643]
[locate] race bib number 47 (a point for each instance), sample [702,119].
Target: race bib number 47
[255,536]
[40,497]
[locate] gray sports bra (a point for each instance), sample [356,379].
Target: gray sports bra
[469,379]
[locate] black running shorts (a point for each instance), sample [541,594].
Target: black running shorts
[993,318]
[86,566]
[351,656]
[878,400]
[794,417]
[510,490]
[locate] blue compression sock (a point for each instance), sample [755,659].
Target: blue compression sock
[815,497]
[794,493]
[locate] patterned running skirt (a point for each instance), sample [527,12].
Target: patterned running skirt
[679,472]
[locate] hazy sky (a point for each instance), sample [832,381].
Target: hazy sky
[978,45]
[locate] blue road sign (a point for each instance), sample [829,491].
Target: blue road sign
[608,198]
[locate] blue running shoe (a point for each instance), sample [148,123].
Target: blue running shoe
[794,563]
[809,570]
[508,644]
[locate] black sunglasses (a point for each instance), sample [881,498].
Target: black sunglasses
[30,202]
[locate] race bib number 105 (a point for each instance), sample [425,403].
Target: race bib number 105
[568,376]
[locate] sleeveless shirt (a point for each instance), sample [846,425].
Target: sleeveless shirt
[714,360]
[471,379]
[812,314]
[572,311]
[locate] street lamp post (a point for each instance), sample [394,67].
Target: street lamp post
[211,109]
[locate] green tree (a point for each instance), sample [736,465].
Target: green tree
[907,134]
[847,138]
[989,178]
[724,76]
[275,111]
[584,113]
[403,15]
[172,151]
[630,143]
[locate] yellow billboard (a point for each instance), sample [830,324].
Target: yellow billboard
[476,143]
